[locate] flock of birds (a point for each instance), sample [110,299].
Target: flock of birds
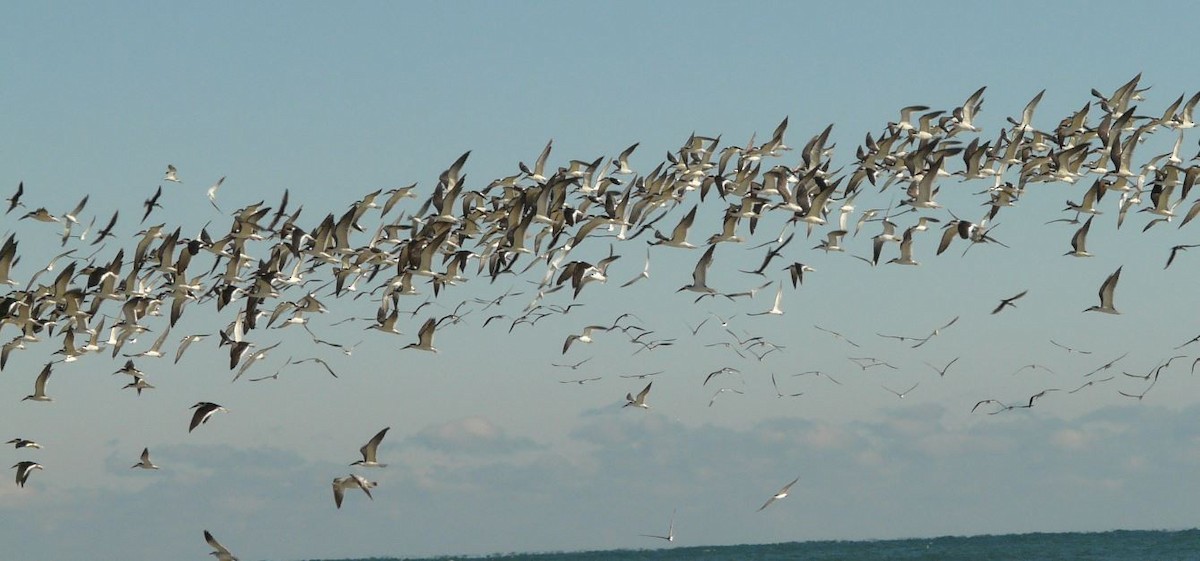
[558,228]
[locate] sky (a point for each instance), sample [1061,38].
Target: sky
[488,450]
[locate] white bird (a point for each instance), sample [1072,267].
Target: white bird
[369,449]
[204,410]
[700,273]
[212,193]
[832,241]
[185,343]
[640,400]
[622,161]
[585,337]
[670,531]
[425,337]
[1079,240]
[253,359]
[645,274]
[222,553]
[340,484]
[775,310]
[1106,294]
[1026,122]
[145,462]
[155,350]
[23,469]
[171,174]
[679,234]
[39,385]
[781,494]
[965,115]
[906,257]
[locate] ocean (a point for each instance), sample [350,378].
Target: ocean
[1119,545]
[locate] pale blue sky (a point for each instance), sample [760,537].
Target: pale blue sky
[488,452]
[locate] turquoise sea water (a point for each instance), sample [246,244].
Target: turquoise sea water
[1123,545]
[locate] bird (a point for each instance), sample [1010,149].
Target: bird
[340,484]
[425,337]
[721,391]
[23,469]
[317,360]
[670,531]
[781,494]
[39,385]
[369,450]
[212,193]
[797,270]
[585,337]
[942,371]
[905,392]
[572,366]
[204,410]
[138,384]
[23,443]
[580,381]
[152,203]
[15,200]
[1106,294]
[254,359]
[836,335]
[185,343]
[832,241]
[1079,240]
[935,333]
[700,273]
[221,552]
[776,309]
[906,243]
[171,174]
[155,350]
[145,462]
[622,160]
[722,370]
[1177,249]
[779,393]
[679,234]
[645,274]
[1006,302]
[640,400]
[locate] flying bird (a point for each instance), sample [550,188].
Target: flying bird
[1106,294]
[369,450]
[905,392]
[670,531]
[145,462]
[212,193]
[781,494]
[640,400]
[1006,302]
[352,481]
[425,337]
[23,443]
[222,553]
[204,410]
[150,204]
[39,385]
[23,469]
[15,200]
